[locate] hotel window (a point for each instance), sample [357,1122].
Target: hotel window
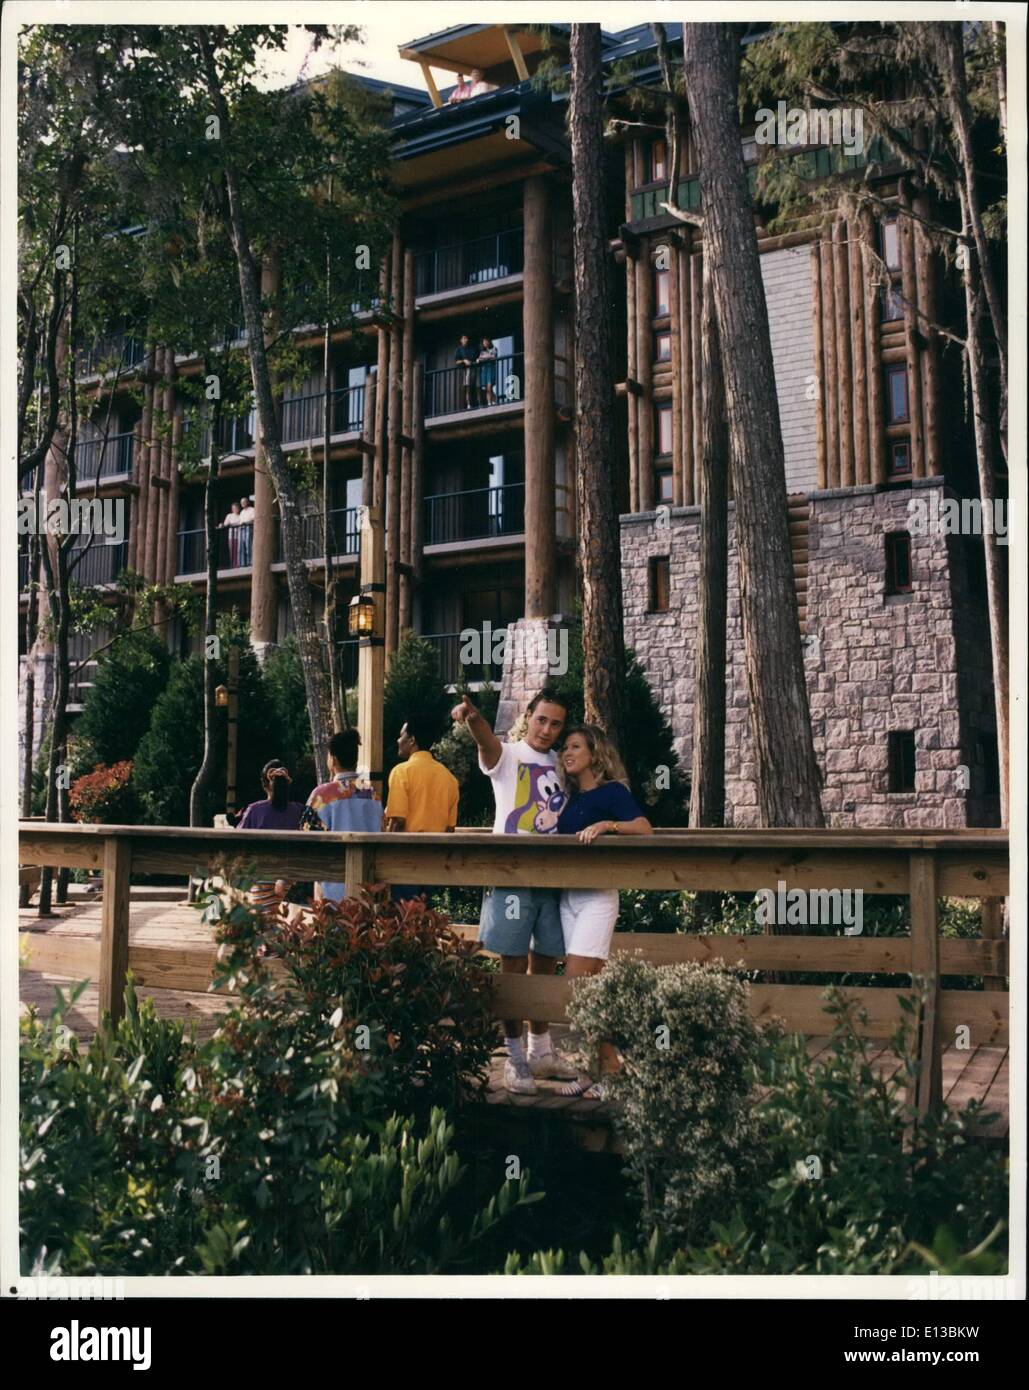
[662,293]
[898,563]
[658,160]
[658,584]
[890,307]
[663,430]
[663,346]
[665,487]
[897,410]
[889,242]
[902,761]
[900,458]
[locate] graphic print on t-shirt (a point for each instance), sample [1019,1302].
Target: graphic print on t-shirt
[538,801]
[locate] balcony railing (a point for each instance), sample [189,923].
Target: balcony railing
[235,436]
[303,417]
[104,354]
[345,532]
[483,386]
[100,458]
[474,515]
[98,563]
[469,262]
[235,549]
[451,670]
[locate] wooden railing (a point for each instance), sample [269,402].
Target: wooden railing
[922,866]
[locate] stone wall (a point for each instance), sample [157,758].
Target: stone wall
[875,663]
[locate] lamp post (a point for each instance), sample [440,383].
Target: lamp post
[227,696]
[366,622]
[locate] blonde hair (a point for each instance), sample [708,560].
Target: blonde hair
[605,762]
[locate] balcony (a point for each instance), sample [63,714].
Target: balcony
[479,514]
[104,458]
[344,534]
[451,390]
[23,571]
[303,417]
[98,563]
[235,549]
[451,669]
[105,353]
[465,263]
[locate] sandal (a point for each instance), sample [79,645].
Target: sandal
[584,1089]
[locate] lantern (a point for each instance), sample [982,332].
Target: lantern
[361,615]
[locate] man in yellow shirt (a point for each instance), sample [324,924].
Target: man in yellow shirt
[423,794]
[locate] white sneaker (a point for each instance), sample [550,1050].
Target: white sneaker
[554,1066]
[519,1079]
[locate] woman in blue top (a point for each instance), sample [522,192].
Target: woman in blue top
[600,804]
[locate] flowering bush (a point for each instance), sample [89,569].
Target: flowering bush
[104,795]
[689,1048]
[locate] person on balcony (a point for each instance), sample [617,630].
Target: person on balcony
[274,812]
[488,370]
[600,803]
[342,804]
[466,357]
[475,86]
[523,925]
[423,794]
[246,532]
[231,524]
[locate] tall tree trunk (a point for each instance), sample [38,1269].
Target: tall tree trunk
[995,554]
[787,773]
[707,789]
[952,43]
[1000,67]
[599,549]
[315,683]
[337,692]
[206,769]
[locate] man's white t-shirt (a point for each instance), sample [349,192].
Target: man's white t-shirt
[529,790]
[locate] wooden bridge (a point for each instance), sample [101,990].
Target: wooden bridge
[171,953]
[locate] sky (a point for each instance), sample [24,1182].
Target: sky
[376,57]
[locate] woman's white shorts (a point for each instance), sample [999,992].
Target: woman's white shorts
[588,917]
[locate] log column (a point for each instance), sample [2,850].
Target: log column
[371,391]
[862,473]
[631,403]
[678,454]
[925,284]
[645,374]
[830,380]
[844,393]
[394,388]
[143,466]
[819,360]
[417,481]
[538,333]
[683,385]
[408,431]
[165,523]
[912,339]
[876,420]
[264,616]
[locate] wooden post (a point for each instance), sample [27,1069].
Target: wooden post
[819,360]
[696,301]
[631,404]
[114,926]
[873,361]
[430,85]
[684,385]
[862,472]
[407,374]
[645,375]
[993,930]
[232,733]
[925,962]
[143,467]
[418,478]
[844,394]
[264,608]
[381,400]
[538,391]
[172,546]
[371,653]
[829,377]
[359,868]
[678,465]
[909,289]
[154,471]
[368,436]
[393,432]
[925,286]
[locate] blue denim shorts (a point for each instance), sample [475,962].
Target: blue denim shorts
[514,921]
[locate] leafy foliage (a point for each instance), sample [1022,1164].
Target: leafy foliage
[128,681]
[458,751]
[104,795]
[412,686]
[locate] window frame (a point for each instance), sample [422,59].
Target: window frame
[895,370]
[659,565]
[897,761]
[663,410]
[898,543]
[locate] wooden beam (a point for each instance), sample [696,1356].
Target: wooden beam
[430,82]
[925,963]
[516,53]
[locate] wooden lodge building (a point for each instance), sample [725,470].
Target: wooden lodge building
[476,482]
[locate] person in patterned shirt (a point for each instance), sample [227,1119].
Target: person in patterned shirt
[342,804]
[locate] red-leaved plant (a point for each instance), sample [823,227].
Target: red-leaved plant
[104,795]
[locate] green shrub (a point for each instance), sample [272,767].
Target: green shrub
[104,795]
[129,679]
[688,1047]
[458,751]
[413,686]
[287,698]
